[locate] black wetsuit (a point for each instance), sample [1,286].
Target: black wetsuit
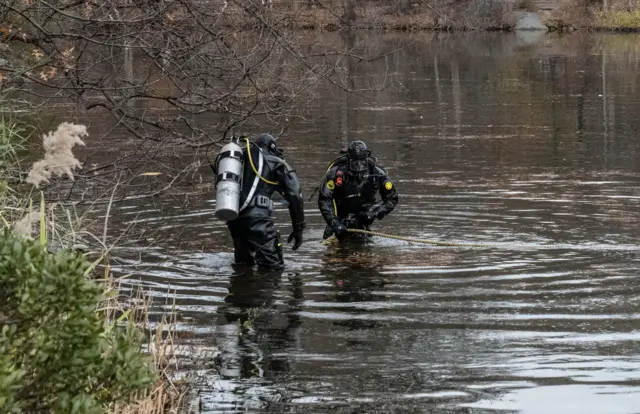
[344,196]
[255,239]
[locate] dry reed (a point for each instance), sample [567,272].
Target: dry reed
[167,395]
[58,157]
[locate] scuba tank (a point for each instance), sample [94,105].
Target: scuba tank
[229,166]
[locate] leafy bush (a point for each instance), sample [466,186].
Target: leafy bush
[58,352]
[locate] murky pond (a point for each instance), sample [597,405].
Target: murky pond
[496,138]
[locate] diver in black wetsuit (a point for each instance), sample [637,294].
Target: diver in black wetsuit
[255,239]
[348,192]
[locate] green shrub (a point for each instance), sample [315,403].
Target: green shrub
[58,353]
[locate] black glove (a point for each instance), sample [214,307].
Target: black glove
[297,236]
[338,229]
[366,218]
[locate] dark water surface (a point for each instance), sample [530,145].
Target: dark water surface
[488,138]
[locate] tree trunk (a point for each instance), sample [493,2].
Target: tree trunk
[457,96]
[349,12]
[403,7]
[442,121]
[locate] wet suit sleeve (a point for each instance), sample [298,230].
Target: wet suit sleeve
[325,198]
[387,193]
[289,187]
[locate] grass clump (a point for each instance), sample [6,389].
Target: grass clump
[12,140]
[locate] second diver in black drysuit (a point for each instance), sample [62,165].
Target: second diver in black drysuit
[348,192]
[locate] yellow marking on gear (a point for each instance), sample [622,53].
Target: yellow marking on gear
[335,207]
[330,185]
[388,185]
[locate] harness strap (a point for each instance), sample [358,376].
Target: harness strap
[256,179]
[262,201]
[228,176]
[231,154]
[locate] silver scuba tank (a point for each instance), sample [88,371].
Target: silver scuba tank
[230,168]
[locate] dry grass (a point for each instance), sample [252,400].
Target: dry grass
[167,395]
[618,19]
[369,16]
[579,14]
[297,16]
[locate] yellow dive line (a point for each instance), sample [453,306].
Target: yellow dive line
[254,167]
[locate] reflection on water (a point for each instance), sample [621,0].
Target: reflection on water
[490,138]
[248,327]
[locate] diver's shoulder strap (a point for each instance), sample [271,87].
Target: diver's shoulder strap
[256,181]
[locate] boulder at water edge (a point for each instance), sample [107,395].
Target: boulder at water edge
[529,21]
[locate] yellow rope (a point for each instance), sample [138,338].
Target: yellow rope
[254,167]
[416,240]
[455,244]
[505,245]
